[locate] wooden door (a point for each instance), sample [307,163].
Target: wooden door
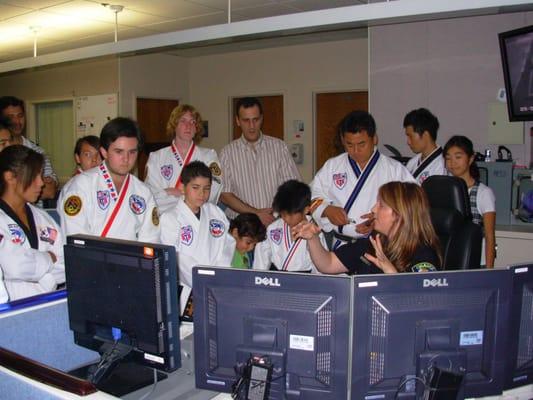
[330,110]
[152,117]
[273,124]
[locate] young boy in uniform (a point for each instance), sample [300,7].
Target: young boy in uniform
[247,230]
[280,251]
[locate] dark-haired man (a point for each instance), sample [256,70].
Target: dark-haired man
[254,165]
[421,128]
[108,201]
[13,109]
[349,183]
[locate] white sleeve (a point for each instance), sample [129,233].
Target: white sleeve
[320,189]
[217,185]
[150,230]
[154,181]
[170,235]
[4,297]
[486,201]
[262,255]
[25,264]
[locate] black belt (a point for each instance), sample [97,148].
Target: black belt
[344,238]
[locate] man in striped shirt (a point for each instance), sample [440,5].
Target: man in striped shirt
[254,165]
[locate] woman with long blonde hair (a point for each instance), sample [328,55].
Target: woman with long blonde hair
[403,238]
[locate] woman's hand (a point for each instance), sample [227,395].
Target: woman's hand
[380,260]
[305,230]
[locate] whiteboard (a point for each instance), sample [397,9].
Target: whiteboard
[93,112]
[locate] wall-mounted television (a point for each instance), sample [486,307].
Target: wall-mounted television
[516,48]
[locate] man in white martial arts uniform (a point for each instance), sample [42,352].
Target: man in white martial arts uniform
[107,200]
[421,128]
[197,229]
[164,166]
[349,182]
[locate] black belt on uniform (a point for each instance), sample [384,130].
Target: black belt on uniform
[344,238]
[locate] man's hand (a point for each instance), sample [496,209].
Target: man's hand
[53,256]
[365,227]
[336,215]
[265,215]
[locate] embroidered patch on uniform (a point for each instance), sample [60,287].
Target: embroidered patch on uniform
[167,171]
[275,235]
[340,179]
[216,227]
[17,234]
[72,206]
[423,267]
[215,169]
[103,198]
[137,204]
[47,234]
[155,216]
[186,235]
[423,176]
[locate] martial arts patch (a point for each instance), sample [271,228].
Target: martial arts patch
[275,235]
[155,216]
[186,235]
[47,234]
[215,169]
[17,234]
[216,227]
[72,206]
[137,204]
[103,199]
[423,176]
[423,267]
[340,179]
[167,171]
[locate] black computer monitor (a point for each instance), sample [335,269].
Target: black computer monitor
[417,332]
[520,337]
[298,324]
[122,302]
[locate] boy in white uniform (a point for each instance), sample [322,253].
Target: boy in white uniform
[107,200]
[349,183]
[197,229]
[280,251]
[421,128]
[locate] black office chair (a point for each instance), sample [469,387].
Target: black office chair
[460,238]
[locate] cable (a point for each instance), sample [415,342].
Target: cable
[153,386]
[414,378]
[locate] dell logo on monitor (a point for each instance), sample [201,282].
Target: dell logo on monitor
[267,281]
[435,282]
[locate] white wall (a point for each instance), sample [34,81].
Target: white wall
[450,66]
[296,72]
[159,76]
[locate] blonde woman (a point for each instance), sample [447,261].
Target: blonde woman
[163,169]
[403,238]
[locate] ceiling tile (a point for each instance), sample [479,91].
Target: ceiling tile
[172,9]
[35,4]
[313,5]
[189,23]
[8,11]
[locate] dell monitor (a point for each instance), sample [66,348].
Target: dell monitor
[516,49]
[435,335]
[122,302]
[275,335]
[520,343]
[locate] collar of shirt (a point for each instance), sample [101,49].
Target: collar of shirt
[252,146]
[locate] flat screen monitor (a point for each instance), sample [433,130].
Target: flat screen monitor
[520,343]
[416,332]
[122,301]
[298,324]
[516,48]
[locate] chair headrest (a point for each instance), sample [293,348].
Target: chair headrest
[445,220]
[448,192]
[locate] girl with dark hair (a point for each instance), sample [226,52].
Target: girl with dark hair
[31,244]
[403,239]
[459,156]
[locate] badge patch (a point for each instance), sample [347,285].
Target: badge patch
[155,216]
[186,235]
[423,267]
[423,176]
[72,206]
[167,171]
[340,179]
[103,199]
[47,234]
[137,204]
[216,227]
[17,234]
[215,169]
[275,235]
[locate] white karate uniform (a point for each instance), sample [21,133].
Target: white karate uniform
[163,170]
[86,204]
[336,180]
[28,271]
[204,241]
[435,167]
[276,247]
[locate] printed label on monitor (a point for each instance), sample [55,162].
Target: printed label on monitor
[151,357]
[471,338]
[298,342]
